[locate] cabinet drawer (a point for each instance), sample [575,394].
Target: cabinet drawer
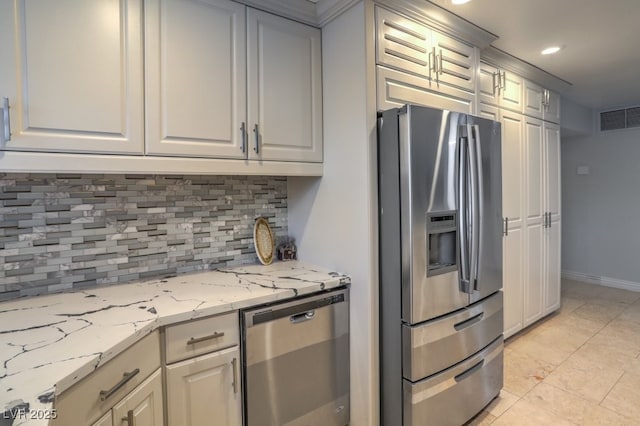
[202,336]
[93,396]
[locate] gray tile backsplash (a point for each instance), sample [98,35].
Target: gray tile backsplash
[62,231]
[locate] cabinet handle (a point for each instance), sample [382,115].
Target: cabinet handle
[6,121]
[243,138]
[195,340]
[256,147]
[504,80]
[126,377]
[432,62]
[130,419]
[234,366]
[506,226]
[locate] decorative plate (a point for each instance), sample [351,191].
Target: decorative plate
[264,241]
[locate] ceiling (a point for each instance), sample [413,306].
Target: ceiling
[600,55]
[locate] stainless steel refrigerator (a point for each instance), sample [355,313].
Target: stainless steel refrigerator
[440,255]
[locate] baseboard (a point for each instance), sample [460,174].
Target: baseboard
[605,281]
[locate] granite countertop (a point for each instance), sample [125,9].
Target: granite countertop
[48,343]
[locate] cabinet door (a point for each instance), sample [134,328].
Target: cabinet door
[487,84]
[195,54]
[402,43]
[205,391]
[456,62]
[553,267]
[73,73]
[512,167]
[143,405]
[396,88]
[552,109]
[511,93]
[512,280]
[534,276]
[552,169]
[285,90]
[513,212]
[533,97]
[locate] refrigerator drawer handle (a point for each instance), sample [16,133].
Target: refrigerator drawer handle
[305,316]
[469,322]
[460,377]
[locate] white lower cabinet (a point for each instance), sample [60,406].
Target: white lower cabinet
[106,420]
[205,390]
[143,406]
[203,372]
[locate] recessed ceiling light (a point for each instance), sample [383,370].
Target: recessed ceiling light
[550,50]
[460,1]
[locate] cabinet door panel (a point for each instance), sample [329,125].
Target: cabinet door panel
[512,253]
[512,170]
[73,72]
[553,267]
[285,92]
[552,160]
[552,111]
[396,88]
[196,77]
[511,94]
[533,95]
[535,169]
[456,62]
[200,391]
[402,43]
[487,91]
[534,274]
[144,404]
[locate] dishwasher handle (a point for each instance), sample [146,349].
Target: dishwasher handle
[305,316]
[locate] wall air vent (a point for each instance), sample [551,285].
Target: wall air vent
[620,119]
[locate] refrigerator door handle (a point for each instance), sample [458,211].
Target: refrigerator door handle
[475,162]
[462,214]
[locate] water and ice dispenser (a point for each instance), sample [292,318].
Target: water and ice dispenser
[442,241]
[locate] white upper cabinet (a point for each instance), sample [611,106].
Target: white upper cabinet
[73,73]
[534,96]
[284,89]
[195,54]
[541,103]
[412,47]
[501,88]
[552,107]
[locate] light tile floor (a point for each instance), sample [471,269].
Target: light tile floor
[579,366]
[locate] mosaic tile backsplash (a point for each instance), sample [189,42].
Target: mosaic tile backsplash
[61,231]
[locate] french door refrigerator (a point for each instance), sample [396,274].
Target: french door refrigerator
[440,254]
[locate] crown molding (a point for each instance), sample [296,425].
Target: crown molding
[298,10]
[524,69]
[327,10]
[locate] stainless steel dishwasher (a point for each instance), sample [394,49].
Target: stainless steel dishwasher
[296,360]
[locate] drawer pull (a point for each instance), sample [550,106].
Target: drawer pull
[106,394]
[130,419]
[468,322]
[460,377]
[195,340]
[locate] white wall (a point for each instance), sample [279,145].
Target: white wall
[600,232]
[333,218]
[577,120]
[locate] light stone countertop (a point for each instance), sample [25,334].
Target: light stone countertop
[48,343]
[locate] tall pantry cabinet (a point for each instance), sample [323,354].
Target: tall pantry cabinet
[530,193]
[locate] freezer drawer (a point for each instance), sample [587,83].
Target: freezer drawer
[435,345]
[457,394]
